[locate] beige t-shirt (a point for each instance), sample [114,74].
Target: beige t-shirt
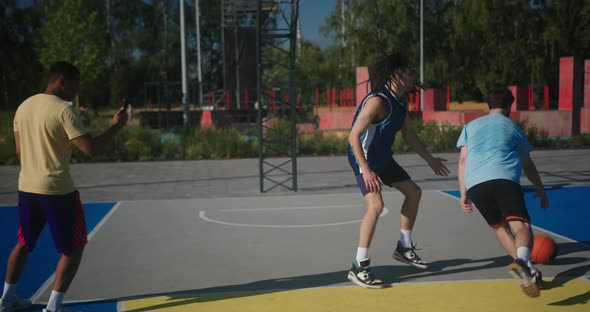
[45,125]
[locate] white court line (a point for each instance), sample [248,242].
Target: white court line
[290,208]
[205,218]
[48,282]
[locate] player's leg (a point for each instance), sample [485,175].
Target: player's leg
[508,243]
[360,273]
[506,239]
[373,209]
[67,268]
[395,176]
[412,195]
[65,217]
[510,199]
[31,224]
[405,250]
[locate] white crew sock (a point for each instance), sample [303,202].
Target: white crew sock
[55,301]
[8,293]
[523,253]
[406,238]
[362,253]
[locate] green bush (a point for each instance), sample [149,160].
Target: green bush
[136,143]
[218,144]
[437,138]
[7,144]
[330,145]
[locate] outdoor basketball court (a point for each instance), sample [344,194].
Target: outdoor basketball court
[292,253]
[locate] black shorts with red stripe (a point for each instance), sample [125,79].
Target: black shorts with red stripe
[498,201]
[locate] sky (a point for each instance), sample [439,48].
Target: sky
[312,14]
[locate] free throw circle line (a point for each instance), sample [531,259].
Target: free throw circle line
[287,208]
[205,218]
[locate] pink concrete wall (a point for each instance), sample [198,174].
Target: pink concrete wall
[452,117]
[556,123]
[336,120]
[566,83]
[305,128]
[435,100]
[585,120]
[521,98]
[362,87]
[570,83]
[587,84]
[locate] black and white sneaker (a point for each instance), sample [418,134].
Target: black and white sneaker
[409,256]
[361,275]
[536,275]
[520,271]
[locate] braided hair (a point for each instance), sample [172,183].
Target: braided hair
[385,69]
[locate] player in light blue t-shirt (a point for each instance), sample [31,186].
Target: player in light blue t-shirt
[494,151]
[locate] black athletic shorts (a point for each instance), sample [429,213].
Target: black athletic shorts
[498,201]
[391,174]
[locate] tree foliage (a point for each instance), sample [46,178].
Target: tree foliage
[69,35]
[119,45]
[468,44]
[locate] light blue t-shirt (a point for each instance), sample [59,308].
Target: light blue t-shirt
[494,146]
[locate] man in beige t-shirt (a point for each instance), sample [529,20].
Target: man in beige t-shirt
[45,127]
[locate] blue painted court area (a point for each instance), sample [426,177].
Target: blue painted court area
[568,213]
[43,260]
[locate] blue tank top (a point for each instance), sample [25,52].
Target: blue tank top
[377,141]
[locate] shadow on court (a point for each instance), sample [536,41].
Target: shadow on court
[389,273]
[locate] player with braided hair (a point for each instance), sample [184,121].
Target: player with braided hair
[379,117]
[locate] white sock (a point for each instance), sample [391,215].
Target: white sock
[406,238]
[523,253]
[55,301]
[362,253]
[8,293]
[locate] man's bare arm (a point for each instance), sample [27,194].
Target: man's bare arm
[17,143]
[91,146]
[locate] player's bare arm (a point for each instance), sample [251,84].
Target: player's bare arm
[465,203]
[530,170]
[90,146]
[436,163]
[372,111]
[17,143]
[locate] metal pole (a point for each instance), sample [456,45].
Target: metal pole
[259,24]
[237,55]
[292,91]
[199,77]
[421,54]
[183,66]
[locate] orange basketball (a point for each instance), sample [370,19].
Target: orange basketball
[544,249]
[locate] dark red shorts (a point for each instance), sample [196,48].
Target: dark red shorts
[63,213]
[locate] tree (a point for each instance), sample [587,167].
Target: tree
[72,33]
[19,69]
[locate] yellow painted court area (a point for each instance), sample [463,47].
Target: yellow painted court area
[497,295]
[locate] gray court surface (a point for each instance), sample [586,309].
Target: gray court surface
[100,182]
[203,227]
